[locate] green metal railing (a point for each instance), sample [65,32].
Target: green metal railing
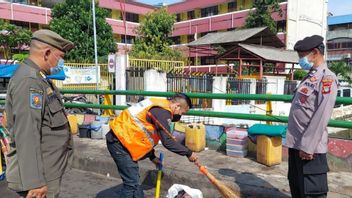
[284,98]
[257,117]
[242,116]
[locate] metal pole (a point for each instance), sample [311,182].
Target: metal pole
[284,98]
[95,47]
[242,116]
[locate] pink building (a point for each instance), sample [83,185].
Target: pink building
[194,20]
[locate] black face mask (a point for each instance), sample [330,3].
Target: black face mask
[176,118]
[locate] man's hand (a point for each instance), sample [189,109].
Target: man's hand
[193,157]
[156,161]
[38,192]
[305,156]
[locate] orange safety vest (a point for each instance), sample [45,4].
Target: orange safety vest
[133,130]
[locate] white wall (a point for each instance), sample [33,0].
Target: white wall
[305,18]
[155,81]
[120,77]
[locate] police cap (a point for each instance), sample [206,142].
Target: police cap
[51,38]
[308,43]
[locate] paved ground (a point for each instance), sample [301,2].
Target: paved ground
[83,184]
[244,174]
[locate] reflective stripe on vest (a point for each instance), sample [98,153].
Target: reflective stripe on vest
[146,132]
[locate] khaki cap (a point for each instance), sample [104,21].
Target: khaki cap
[51,38]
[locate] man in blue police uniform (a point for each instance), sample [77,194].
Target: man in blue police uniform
[311,109]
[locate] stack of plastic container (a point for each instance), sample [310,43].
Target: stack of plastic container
[236,142]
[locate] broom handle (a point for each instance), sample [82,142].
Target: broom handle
[161,126]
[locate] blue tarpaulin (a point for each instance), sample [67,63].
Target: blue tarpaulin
[7,71]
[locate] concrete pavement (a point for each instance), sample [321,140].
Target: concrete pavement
[84,184]
[244,174]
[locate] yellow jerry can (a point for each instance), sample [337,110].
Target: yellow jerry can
[269,150]
[195,137]
[73,121]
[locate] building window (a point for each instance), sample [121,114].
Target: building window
[346,93]
[207,60]
[281,26]
[21,24]
[232,6]
[176,40]
[132,17]
[190,38]
[20,1]
[210,11]
[192,60]
[339,45]
[190,15]
[178,17]
[127,39]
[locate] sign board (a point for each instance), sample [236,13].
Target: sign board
[81,75]
[111,63]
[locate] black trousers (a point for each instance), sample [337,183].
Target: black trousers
[307,178]
[127,168]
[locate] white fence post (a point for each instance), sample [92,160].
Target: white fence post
[155,81]
[219,86]
[120,77]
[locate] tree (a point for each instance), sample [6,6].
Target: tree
[261,16]
[342,70]
[299,74]
[13,37]
[153,40]
[72,19]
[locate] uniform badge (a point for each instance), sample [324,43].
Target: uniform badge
[313,79]
[326,86]
[304,90]
[36,100]
[49,91]
[303,99]
[326,89]
[309,85]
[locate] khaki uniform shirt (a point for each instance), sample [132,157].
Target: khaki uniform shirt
[41,143]
[311,109]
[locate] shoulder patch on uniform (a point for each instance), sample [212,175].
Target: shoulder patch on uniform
[36,100]
[313,79]
[327,83]
[304,90]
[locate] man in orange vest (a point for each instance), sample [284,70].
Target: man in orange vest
[134,134]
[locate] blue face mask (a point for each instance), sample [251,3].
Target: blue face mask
[305,64]
[59,67]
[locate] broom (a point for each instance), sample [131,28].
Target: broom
[225,191]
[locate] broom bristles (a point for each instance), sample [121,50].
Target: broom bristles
[225,191]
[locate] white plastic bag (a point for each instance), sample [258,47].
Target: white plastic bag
[193,193]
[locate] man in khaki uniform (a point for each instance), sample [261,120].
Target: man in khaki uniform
[41,142]
[311,109]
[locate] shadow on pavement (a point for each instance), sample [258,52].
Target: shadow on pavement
[148,183]
[251,186]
